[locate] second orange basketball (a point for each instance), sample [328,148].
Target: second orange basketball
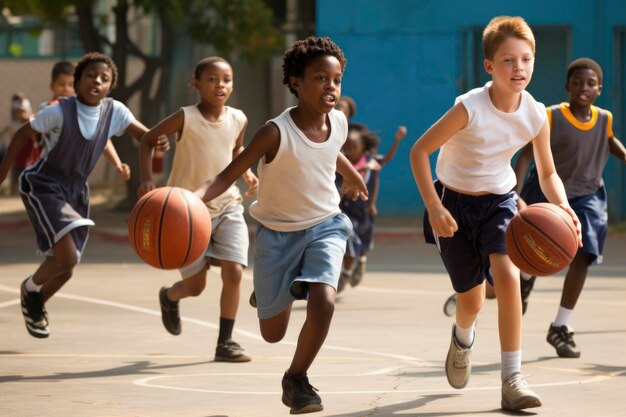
[169,227]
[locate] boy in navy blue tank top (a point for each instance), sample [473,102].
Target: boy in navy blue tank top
[54,190]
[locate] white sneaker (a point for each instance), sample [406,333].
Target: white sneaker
[516,395]
[458,366]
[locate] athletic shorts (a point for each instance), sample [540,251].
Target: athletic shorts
[591,211]
[229,241]
[284,262]
[482,221]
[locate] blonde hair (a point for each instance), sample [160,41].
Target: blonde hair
[500,28]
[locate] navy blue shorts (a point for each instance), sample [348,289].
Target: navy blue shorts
[482,222]
[591,211]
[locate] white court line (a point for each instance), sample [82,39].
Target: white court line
[204,323]
[10,303]
[148,382]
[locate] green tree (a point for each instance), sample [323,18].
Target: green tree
[230,26]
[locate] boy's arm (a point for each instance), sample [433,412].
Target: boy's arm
[21,136]
[455,119]
[400,134]
[151,139]
[522,164]
[616,148]
[109,152]
[374,197]
[551,184]
[264,143]
[352,185]
[248,176]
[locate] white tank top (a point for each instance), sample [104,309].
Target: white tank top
[478,157]
[203,150]
[297,189]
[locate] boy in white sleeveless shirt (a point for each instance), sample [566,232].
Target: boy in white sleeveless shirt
[301,238]
[472,202]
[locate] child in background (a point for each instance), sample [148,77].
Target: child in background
[54,189]
[21,112]
[581,139]
[347,105]
[209,135]
[361,141]
[301,237]
[471,203]
[62,85]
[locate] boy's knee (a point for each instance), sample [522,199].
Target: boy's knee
[66,262]
[273,335]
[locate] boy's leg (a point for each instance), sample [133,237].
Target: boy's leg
[515,392]
[169,298]
[359,271]
[458,365]
[346,271]
[298,393]
[559,334]
[51,275]
[227,349]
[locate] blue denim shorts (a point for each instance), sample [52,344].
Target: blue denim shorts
[285,261]
[482,222]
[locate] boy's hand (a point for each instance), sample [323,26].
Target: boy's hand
[521,204]
[354,189]
[400,133]
[162,144]
[571,212]
[252,181]
[123,171]
[442,222]
[145,187]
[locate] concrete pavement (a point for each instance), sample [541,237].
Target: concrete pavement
[109,356]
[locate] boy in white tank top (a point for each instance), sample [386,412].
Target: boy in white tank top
[470,205]
[301,239]
[209,135]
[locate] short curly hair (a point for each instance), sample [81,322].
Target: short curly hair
[296,59]
[584,63]
[90,58]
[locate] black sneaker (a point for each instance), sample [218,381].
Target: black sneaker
[562,339]
[230,351]
[34,312]
[526,286]
[252,299]
[299,395]
[170,315]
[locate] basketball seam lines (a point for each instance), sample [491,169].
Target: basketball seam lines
[548,236]
[167,197]
[564,221]
[190,240]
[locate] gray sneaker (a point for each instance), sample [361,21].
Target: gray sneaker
[516,395]
[458,366]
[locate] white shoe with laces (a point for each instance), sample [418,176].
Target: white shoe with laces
[516,395]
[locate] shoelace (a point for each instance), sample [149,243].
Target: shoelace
[518,383]
[566,335]
[461,358]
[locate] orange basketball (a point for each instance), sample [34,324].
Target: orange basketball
[169,227]
[541,239]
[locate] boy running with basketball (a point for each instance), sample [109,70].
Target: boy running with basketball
[581,139]
[301,238]
[209,135]
[471,203]
[54,189]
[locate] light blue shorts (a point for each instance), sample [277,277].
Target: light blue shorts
[229,241]
[285,261]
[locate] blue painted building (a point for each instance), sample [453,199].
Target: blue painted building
[409,59]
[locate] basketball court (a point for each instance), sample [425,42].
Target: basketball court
[109,356]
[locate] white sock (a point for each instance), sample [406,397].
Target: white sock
[510,362]
[465,336]
[562,317]
[31,286]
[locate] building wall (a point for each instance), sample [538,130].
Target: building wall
[407,61]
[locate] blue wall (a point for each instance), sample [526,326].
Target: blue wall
[406,65]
